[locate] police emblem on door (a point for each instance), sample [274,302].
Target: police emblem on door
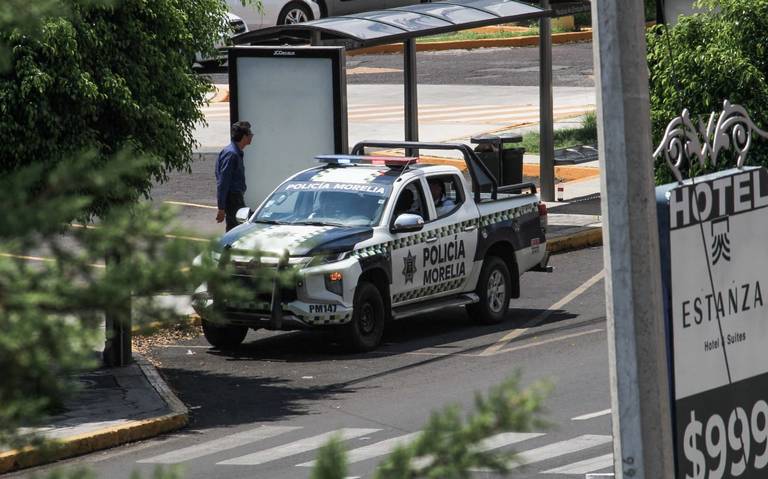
[409,267]
[720,244]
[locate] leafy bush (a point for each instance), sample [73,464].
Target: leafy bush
[109,76]
[708,58]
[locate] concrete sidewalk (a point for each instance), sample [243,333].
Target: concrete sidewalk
[115,406]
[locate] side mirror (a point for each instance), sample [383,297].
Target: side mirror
[406,223]
[242,215]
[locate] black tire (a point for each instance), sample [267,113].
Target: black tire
[224,337]
[494,287]
[366,329]
[294,12]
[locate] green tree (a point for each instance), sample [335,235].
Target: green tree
[705,59]
[105,75]
[97,100]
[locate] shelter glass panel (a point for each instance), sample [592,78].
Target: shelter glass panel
[357,28]
[409,21]
[503,8]
[451,13]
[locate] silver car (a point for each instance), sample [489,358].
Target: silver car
[281,12]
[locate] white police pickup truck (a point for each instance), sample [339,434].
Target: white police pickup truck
[378,238]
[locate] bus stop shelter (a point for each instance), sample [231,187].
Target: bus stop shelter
[406,24]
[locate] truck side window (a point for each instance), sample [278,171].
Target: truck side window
[446,192]
[410,200]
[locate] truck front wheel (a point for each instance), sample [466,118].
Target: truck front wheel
[222,336]
[365,330]
[494,289]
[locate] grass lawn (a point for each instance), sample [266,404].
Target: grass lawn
[586,134]
[472,35]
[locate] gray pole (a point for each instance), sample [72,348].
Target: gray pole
[546,117]
[411,97]
[637,356]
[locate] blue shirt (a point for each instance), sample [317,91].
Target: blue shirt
[230,174]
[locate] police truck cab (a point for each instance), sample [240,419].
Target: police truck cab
[372,239]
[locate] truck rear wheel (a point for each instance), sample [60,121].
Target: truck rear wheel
[494,289]
[365,330]
[223,336]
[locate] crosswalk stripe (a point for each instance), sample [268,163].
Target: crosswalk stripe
[562,448]
[294,448]
[507,438]
[592,415]
[585,466]
[217,445]
[556,449]
[372,450]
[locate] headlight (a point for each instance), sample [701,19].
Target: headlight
[327,259]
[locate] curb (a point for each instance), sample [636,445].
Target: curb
[580,240]
[192,320]
[526,41]
[108,437]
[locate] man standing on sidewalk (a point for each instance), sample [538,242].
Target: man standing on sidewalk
[230,175]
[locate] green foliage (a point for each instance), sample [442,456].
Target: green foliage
[708,58]
[331,461]
[586,134]
[108,76]
[51,309]
[449,446]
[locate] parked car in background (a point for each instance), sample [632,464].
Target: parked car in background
[275,12]
[281,12]
[237,26]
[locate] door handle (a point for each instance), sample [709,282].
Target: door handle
[470,228]
[431,239]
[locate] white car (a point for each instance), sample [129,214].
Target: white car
[374,239]
[275,12]
[238,26]
[281,12]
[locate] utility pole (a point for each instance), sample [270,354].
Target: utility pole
[636,345]
[546,116]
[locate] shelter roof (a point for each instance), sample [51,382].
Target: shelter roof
[395,24]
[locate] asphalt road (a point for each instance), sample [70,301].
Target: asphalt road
[571,67]
[262,410]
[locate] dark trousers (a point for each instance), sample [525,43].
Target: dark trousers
[235,201]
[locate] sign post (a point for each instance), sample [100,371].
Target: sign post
[712,230]
[637,361]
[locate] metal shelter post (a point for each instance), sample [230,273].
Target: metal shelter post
[640,401]
[411,97]
[546,117]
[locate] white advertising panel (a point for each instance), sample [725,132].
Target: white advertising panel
[295,100]
[718,305]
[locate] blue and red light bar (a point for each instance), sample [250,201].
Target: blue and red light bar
[344,160]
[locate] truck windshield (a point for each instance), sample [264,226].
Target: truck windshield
[336,204]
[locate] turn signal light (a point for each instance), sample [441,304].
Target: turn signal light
[335,276]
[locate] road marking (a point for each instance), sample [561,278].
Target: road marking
[505,439]
[557,449]
[547,341]
[495,348]
[592,415]
[188,238]
[373,450]
[585,466]
[194,205]
[42,259]
[217,445]
[294,448]
[554,450]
